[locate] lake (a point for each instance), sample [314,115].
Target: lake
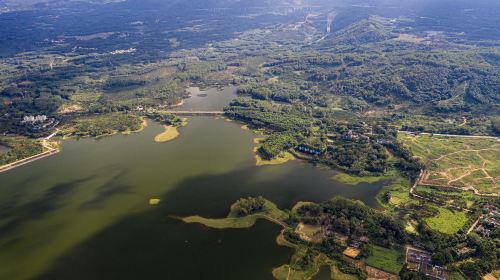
[84,213]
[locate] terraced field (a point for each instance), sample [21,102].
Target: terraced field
[460,162]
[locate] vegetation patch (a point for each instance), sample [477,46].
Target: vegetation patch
[102,125]
[390,260]
[244,213]
[240,222]
[447,221]
[396,194]
[17,148]
[305,264]
[282,158]
[350,179]
[336,274]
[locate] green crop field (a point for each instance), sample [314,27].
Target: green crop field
[390,260]
[447,221]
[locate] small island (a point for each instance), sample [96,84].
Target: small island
[170,124]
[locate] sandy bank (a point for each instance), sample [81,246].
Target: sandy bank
[169,134]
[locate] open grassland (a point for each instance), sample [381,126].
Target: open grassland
[390,260]
[447,221]
[460,162]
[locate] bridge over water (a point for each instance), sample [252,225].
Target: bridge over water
[196,113]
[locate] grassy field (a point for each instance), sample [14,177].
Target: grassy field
[103,125]
[390,260]
[399,193]
[447,221]
[458,161]
[348,179]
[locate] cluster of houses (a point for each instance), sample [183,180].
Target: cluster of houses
[421,261]
[39,122]
[351,136]
[34,119]
[489,221]
[308,150]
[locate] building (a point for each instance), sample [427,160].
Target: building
[421,261]
[308,150]
[34,119]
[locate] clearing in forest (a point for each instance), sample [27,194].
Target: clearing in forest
[469,163]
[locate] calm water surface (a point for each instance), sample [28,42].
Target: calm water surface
[84,213]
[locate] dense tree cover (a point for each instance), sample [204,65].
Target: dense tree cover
[262,115]
[277,143]
[486,257]
[357,157]
[354,147]
[354,219]
[247,206]
[164,118]
[18,148]
[440,81]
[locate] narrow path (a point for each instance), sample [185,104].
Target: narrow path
[464,123]
[464,151]
[474,224]
[451,135]
[274,220]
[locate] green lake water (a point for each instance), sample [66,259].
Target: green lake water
[84,213]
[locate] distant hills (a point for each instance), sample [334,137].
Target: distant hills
[15,5]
